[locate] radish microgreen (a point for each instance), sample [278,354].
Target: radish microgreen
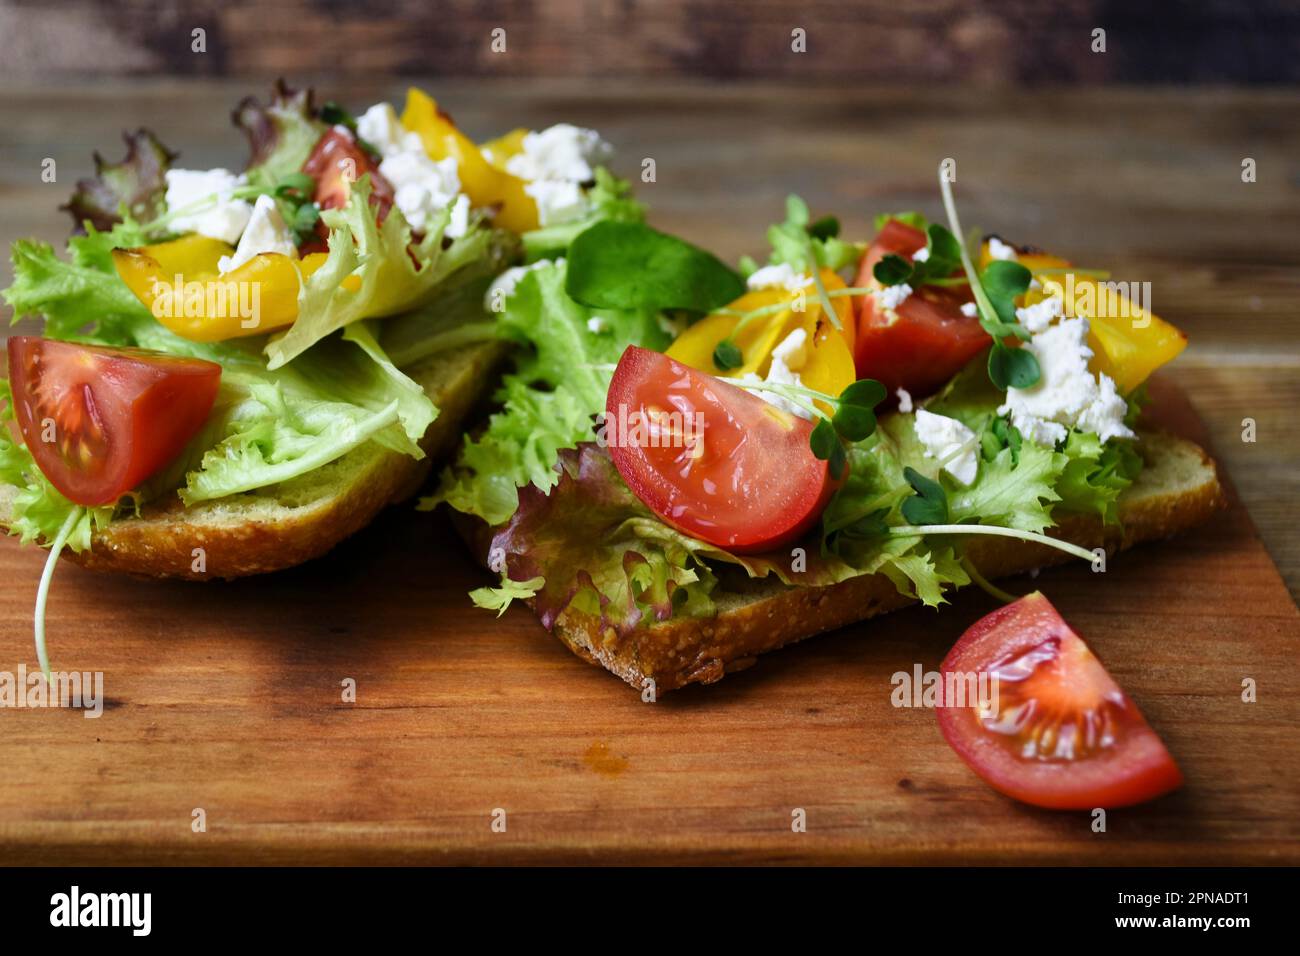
[853,420]
[942,260]
[1008,367]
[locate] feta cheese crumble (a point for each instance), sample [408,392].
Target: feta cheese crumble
[904,400]
[970,309]
[1068,394]
[949,441]
[1039,316]
[224,219]
[380,127]
[921,255]
[892,296]
[1000,250]
[423,187]
[788,356]
[266,232]
[597,325]
[554,163]
[780,276]
[562,151]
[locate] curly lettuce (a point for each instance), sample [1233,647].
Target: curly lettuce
[592,546]
[549,402]
[268,426]
[373,270]
[281,133]
[136,184]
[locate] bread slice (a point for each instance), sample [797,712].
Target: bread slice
[278,527]
[1178,488]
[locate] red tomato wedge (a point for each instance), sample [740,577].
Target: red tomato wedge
[711,459]
[336,161]
[1062,734]
[925,341]
[98,421]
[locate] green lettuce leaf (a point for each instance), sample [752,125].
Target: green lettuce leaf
[792,239]
[393,275]
[1010,494]
[1095,474]
[549,401]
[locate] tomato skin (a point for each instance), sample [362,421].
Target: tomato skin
[1132,767]
[754,484]
[930,341]
[327,164]
[120,415]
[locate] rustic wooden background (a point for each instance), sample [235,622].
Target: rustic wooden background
[929,41]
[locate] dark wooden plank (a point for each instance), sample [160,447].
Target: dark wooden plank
[927,41]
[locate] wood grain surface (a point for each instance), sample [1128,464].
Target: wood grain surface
[227,697]
[957,41]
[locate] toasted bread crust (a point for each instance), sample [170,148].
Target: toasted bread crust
[161,541]
[684,651]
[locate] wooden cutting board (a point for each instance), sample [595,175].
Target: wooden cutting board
[227,697]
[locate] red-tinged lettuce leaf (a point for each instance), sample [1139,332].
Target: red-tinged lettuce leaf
[599,550]
[138,181]
[281,132]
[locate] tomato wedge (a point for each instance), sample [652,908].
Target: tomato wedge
[336,162]
[98,421]
[711,459]
[927,339]
[1062,734]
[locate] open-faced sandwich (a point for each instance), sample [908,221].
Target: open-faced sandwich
[238,370]
[691,468]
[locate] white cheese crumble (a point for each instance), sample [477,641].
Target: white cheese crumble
[970,309]
[949,441]
[1068,394]
[504,285]
[557,200]
[904,400]
[1000,250]
[892,296]
[788,356]
[562,151]
[780,276]
[554,163]
[423,187]
[225,219]
[1039,316]
[921,255]
[266,232]
[380,127]
[597,325]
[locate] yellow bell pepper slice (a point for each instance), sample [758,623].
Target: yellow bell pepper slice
[484,183]
[180,283]
[1128,342]
[828,352]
